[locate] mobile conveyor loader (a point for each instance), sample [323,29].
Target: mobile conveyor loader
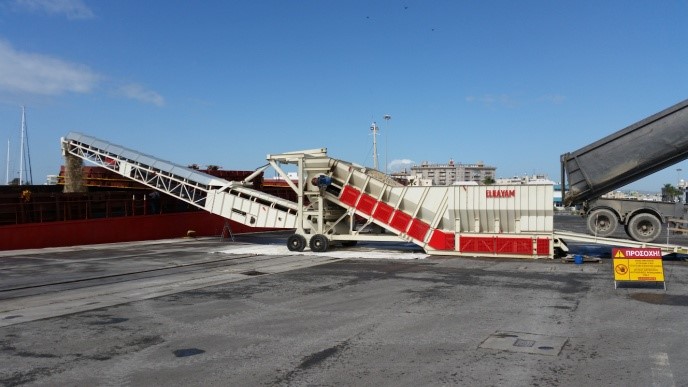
[341,203]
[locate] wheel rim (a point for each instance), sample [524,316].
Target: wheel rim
[645,228]
[296,243]
[319,243]
[602,222]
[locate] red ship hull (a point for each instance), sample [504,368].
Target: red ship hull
[117,229]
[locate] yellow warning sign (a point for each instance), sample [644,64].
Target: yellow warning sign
[638,264]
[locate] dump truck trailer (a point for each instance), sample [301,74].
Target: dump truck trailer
[621,158]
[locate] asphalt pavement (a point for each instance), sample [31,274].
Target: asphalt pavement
[386,316]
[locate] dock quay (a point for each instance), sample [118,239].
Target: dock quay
[209,311]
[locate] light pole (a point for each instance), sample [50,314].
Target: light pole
[678,177]
[387,117]
[678,186]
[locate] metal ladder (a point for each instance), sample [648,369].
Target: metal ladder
[227,227]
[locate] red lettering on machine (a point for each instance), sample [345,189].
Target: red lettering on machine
[500,193]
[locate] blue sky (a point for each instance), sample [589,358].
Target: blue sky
[511,83]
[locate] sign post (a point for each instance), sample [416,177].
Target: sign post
[638,265]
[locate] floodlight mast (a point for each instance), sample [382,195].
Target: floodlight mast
[387,117]
[374,128]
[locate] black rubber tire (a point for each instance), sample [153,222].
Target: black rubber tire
[644,228]
[296,242]
[319,243]
[602,222]
[349,243]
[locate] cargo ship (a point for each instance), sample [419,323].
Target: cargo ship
[112,209]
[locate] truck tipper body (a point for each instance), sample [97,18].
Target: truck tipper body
[621,158]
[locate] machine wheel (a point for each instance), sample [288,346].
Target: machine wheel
[644,227]
[296,242]
[319,243]
[349,243]
[602,222]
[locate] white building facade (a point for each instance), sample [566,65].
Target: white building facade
[450,173]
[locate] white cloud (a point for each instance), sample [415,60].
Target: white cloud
[73,9]
[139,93]
[22,72]
[400,165]
[490,100]
[41,74]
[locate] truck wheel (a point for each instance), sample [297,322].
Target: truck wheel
[602,222]
[296,242]
[319,243]
[644,228]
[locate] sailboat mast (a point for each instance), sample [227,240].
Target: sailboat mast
[7,172]
[21,150]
